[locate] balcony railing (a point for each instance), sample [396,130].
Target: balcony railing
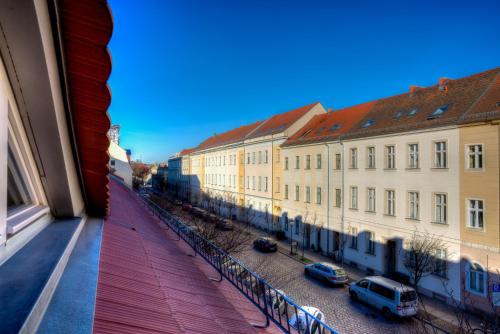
[276,306]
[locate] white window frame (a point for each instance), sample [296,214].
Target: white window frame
[370,243]
[390,202]
[308,161]
[440,208]
[297,193]
[338,161]
[479,156]
[478,211]
[318,195]
[390,153]
[474,275]
[308,194]
[371,198]
[285,195]
[440,153]
[370,157]
[353,161]
[354,197]
[413,205]
[413,156]
[354,238]
[318,161]
[338,197]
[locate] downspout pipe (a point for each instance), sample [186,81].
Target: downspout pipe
[328,201]
[342,237]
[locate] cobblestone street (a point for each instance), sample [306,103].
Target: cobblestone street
[343,314]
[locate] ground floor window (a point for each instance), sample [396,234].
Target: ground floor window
[476,279]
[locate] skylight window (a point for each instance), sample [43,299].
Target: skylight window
[368,123]
[398,115]
[412,112]
[438,112]
[335,127]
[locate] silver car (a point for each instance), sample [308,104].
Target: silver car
[327,272]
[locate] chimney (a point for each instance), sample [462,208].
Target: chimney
[329,111]
[414,88]
[443,85]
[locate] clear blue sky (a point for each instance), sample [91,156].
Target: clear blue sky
[186,69]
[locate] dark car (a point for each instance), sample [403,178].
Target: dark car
[224,225]
[265,244]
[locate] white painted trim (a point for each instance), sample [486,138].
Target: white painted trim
[4,119]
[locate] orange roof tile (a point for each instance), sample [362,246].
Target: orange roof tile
[329,126]
[419,109]
[281,122]
[186,151]
[228,137]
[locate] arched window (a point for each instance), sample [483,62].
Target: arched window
[476,279]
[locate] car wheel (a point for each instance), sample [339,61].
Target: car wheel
[353,295]
[387,313]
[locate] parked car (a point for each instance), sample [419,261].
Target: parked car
[197,212]
[187,207]
[265,244]
[327,272]
[225,225]
[276,301]
[300,320]
[389,296]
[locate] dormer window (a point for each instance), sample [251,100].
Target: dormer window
[335,127]
[438,112]
[320,130]
[368,123]
[398,115]
[412,112]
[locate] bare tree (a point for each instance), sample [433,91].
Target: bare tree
[419,256]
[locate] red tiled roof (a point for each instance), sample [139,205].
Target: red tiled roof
[487,106]
[329,126]
[281,122]
[228,137]
[458,95]
[148,283]
[186,151]
[86,28]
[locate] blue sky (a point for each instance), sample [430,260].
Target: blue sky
[186,69]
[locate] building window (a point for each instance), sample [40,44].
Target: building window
[318,195]
[297,162]
[413,205]
[260,157]
[297,225]
[354,197]
[286,191]
[413,156]
[440,263]
[260,183]
[475,156]
[253,182]
[253,158]
[338,198]
[476,213]
[370,200]
[248,158]
[390,152]
[248,182]
[308,161]
[440,210]
[278,186]
[354,158]
[112,162]
[390,207]
[308,194]
[297,193]
[286,163]
[318,161]
[440,160]
[285,221]
[370,243]
[338,161]
[265,183]
[370,157]
[476,279]
[354,238]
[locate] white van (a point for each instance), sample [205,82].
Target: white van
[305,324]
[391,297]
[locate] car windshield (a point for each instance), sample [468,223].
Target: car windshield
[339,272]
[408,296]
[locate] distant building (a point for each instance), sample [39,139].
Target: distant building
[159,180]
[119,163]
[114,134]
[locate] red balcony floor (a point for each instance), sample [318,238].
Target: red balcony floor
[148,283]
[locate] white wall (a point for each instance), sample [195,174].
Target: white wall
[119,162]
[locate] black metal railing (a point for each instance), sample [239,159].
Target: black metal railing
[274,304]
